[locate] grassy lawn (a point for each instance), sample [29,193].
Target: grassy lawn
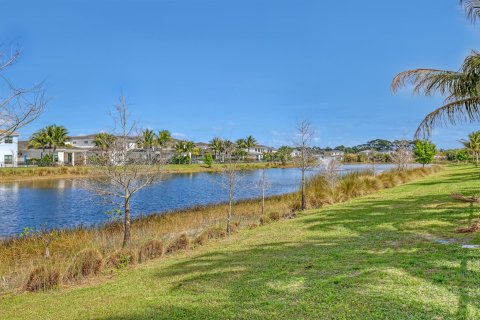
[375,257]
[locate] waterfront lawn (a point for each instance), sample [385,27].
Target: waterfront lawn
[375,257]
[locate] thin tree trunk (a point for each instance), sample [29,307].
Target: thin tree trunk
[263,191]
[230,204]
[126,230]
[303,190]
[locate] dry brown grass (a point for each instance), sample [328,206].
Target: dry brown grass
[77,253]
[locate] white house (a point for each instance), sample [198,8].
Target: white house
[9,150]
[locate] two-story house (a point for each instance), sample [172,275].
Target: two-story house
[8,149]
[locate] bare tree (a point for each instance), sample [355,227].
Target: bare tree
[263,185]
[230,177]
[18,106]
[330,172]
[124,170]
[402,155]
[306,159]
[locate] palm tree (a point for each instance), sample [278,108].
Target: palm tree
[473,144]
[104,141]
[164,138]
[58,136]
[216,145]
[472,9]
[148,141]
[241,146]
[39,140]
[185,146]
[250,142]
[461,88]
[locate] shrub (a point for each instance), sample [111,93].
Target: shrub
[212,233]
[122,258]
[87,262]
[274,216]
[42,279]
[265,219]
[150,250]
[180,243]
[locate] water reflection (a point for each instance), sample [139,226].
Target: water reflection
[65,203]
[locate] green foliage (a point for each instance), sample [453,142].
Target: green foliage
[208,159]
[461,155]
[424,151]
[284,154]
[472,145]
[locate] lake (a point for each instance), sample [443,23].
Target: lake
[64,203]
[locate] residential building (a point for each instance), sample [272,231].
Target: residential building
[9,150]
[258,151]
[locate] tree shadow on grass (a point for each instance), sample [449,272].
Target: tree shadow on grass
[368,259]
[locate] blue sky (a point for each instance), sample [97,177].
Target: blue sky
[229,68]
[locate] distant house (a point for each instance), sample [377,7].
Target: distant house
[87,141]
[333,154]
[258,151]
[9,150]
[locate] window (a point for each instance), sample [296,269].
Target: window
[8,139]
[74,142]
[85,142]
[8,159]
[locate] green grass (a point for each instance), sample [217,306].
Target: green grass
[374,257]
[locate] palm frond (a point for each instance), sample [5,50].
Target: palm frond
[430,81]
[459,111]
[472,9]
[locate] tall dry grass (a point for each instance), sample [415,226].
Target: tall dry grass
[86,252]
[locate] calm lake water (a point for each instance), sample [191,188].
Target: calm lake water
[62,203]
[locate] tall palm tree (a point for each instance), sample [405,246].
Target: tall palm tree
[39,140]
[216,145]
[185,146]
[148,141]
[473,144]
[460,88]
[241,146]
[104,141]
[164,138]
[58,135]
[251,142]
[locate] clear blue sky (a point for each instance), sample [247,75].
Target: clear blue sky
[204,68]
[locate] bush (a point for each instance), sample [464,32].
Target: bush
[150,250]
[122,258]
[181,243]
[265,219]
[42,279]
[87,262]
[210,234]
[274,216]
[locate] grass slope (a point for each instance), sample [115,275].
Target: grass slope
[375,257]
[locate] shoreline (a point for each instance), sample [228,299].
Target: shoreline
[24,174]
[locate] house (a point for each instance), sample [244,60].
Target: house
[87,141]
[9,149]
[333,154]
[258,151]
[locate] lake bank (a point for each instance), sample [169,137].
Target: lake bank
[20,174]
[20,255]
[62,203]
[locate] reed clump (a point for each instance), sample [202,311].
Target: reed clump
[85,252]
[150,250]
